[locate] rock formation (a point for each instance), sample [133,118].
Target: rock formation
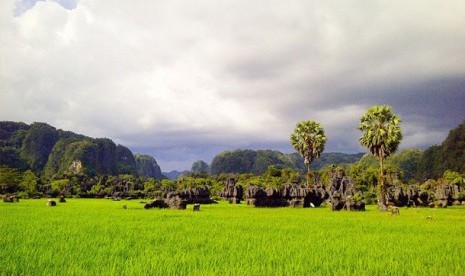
[51,203]
[232,192]
[195,195]
[179,200]
[10,199]
[342,193]
[448,195]
[290,195]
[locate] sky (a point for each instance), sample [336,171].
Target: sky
[185,80]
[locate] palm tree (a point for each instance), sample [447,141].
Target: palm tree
[381,135]
[309,141]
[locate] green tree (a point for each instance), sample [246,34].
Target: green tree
[60,185]
[381,135]
[453,177]
[9,179]
[309,141]
[29,181]
[407,162]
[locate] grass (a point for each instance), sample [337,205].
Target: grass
[99,237]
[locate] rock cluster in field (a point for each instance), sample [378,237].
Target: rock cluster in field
[290,195]
[342,193]
[10,199]
[232,192]
[179,200]
[194,195]
[61,199]
[447,195]
[412,196]
[51,203]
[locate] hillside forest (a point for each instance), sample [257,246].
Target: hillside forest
[39,160]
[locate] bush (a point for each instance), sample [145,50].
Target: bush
[461,196]
[370,198]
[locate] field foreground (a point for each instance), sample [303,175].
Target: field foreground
[99,237]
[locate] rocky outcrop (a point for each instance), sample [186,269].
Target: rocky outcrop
[156,203]
[172,202]
[51,203]
[342,193]
[195,195]
[417,197]
[176,202]
[291,195]
[413,196]
[396,196]
[10,199]
[61,199]
[232,192]
[448,195]
[179,200]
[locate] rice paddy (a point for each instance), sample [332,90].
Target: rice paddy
[99,237]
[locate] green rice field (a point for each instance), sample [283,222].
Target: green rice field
[99,237]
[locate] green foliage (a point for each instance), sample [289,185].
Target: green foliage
[50,152]
[279,241]
[29,181]
[453,177]
[407,162]
[368,161]
[450,155]
[60,185]
[430,165]
[168,184]
[453,149]
[12,133]
[10,179]
[10,157]
[381,131]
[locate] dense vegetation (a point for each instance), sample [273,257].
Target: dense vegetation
[105,168]
[99,237]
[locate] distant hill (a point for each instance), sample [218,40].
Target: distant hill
[257,161]
[336,158]
[450,155]
[173,175]
[147,166]
[49,151]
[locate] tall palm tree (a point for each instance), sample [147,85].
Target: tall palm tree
[309,141]
[381,135]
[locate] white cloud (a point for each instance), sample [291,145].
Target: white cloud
[181,75]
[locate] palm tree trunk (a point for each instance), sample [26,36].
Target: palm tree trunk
[381,185]
[308,174]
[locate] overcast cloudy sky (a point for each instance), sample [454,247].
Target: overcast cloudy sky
[184,80]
